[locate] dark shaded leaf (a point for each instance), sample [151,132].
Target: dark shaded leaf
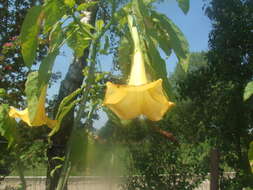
[77,39]
[87,5]
[177,40]
[8,126]
[157,65]
[45,70]
[54,11]
[184,5]
[29,34]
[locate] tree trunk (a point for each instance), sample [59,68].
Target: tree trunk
[72,81]
[214,174]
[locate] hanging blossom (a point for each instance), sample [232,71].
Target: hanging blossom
[139,96]
[39,118]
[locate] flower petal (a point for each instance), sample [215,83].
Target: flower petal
[128,101]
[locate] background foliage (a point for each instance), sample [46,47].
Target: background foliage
[173,153]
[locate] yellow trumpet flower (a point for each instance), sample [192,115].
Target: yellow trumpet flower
[138,97]
[40,117]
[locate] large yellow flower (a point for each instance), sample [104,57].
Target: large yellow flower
[130,101]
[139,97]
[40,117]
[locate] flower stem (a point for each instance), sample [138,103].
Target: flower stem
[138,73]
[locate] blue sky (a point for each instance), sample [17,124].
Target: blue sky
[195,26]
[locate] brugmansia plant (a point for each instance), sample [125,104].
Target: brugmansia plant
[35,114]
[149,30]
[144,33]
[148,98]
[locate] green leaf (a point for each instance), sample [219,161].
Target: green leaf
[45,70]
[77,39]
[34,89]
[99,25]
[250,156]
[87,5]
[70,3]
[55,169]
[177,40]
[184,5]
[59,158]
[54,11]
[158,66]
[65,106]
[8,126]
[36,85]
[140,10]
[63,112]
[29,34]
[248,91]
[2,92]
[56,37]
[66,100]
[158,37]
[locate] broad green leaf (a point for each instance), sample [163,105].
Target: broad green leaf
[248,91]
[151,27]
[46,67]
[140,8]
[87,5]
[34,91]
[140,11]
[250,156]
[99,25]
[77,39]
[8,126]
[29,34]
[70,3]
[184,5]
[177,40]
[158,37]
[2,92]
[65,106]
[54,11]
[158,66]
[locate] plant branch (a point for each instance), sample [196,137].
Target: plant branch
[90,79]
